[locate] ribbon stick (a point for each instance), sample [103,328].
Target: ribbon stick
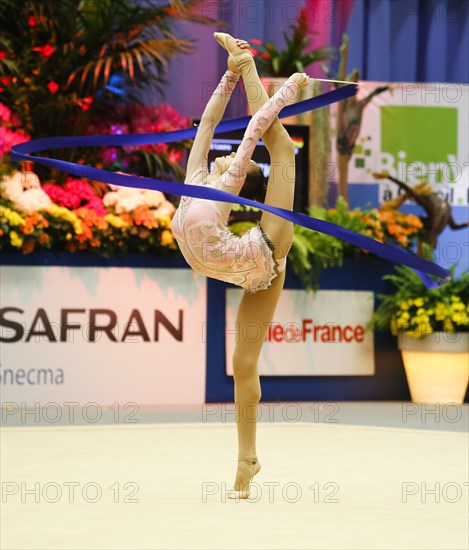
[23,152]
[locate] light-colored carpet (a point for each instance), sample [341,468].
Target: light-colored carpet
[162,487]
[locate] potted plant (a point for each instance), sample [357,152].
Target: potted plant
[432,327]
[275,65]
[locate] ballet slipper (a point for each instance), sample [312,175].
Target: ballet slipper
[244,493]
[238,55]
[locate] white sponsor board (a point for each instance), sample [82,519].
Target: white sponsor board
[104,335]
[320,334]
[417,132]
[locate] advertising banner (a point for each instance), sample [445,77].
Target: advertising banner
[311,334]
[105,335]
[416,133]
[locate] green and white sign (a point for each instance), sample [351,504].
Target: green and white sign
[416,133]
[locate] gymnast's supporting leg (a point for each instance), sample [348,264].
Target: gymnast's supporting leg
[256,311]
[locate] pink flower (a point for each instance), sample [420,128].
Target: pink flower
[256,41]
[109,156]
[75,194]
[5,113]
[85,103]
[8,138]
[175,155]
[45,51]
[254,51]
[53,87]
[32,21]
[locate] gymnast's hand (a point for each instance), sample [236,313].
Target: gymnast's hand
[299,78]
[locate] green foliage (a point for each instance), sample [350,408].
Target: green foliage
[344,217]
[282,63]
[418,311]
[59,53]
[311,252]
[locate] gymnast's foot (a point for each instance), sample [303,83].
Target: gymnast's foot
[239,50]
[247,469]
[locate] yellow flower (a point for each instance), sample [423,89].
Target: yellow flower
[68,236]
[460,318]
[448,325]
[12,217]
[67,215]
[418,302]
[167,238]
[116,221]
[165,221]
[404,306]
[402,323]
[455,299]
[15,239]
[441,311]
[457,306]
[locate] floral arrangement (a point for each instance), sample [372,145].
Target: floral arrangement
[151,159]
[273,62]
[61,62]
[69,67]
[9,131]
[73,218]
[80,215]
[417,311]
[386,226]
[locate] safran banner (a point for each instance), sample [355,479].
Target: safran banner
[311,334]
[416,132]
[105,335]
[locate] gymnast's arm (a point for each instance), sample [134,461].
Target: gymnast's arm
[212,115]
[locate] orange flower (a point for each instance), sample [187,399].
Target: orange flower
[43,238]
[392,228]
[144,216]
[27,247]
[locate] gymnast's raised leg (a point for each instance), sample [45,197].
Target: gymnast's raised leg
[259,308]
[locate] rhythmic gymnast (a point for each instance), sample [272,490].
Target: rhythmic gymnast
[256,261]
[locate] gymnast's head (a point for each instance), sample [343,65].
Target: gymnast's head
[255,185]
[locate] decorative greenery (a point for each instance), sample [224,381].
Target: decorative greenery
[312,251]
[386,226]
[417,311]
[64,63]
[282,63]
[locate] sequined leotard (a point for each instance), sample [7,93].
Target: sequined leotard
[200,225]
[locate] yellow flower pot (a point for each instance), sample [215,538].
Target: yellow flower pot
[437,366]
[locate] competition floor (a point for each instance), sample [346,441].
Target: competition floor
[354,476]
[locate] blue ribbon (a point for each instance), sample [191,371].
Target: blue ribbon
[23,151]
